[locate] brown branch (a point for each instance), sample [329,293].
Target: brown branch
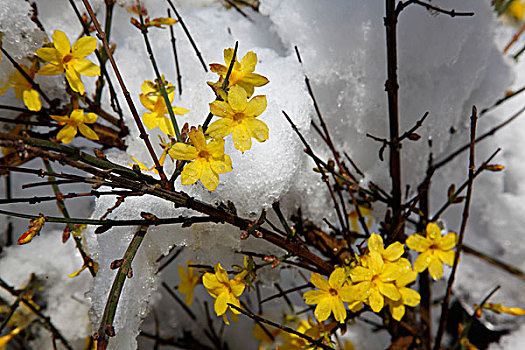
[452,13]
[446,300]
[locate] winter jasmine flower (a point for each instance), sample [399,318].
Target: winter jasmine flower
[208,159]
[224,290]
[435,250]
[242,73]
[238,116]
[188,281]
[23,89]
[63,57]
[76,120]
[330,296]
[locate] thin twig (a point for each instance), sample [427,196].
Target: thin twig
[452,13]
[197,52]
[472,164]
[180,302]
[480,138]
[175,57]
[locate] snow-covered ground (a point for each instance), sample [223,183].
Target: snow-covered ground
[446,65]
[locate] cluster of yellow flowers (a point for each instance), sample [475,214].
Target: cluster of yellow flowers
[380,276]
[206,159]
[60,58]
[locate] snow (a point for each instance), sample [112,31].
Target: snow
[446,65]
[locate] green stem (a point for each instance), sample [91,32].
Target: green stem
[103,54]
[106,324]
[91,265]
[144,31]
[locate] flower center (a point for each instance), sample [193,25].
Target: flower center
[333,292]
[203,154]
[67,58]
[238,117]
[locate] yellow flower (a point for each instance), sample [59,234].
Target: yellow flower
[224,290]
[409,296]
[330,296]
[516,9]
[239,117]
[76,120]
[23,89]
[152,99]
[498,308]
[7,338]
[188,282]
[242,73]
[391,254]
[435,250]
[71,59]
[209,159]
[376,281]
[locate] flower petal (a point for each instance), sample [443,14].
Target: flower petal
[84,46]
[448,241]
[222,166]
[67,133]
[209,178]
[435,268]
[257,128]
[61,42]
[410,296]
[375,243]
[406,278]
[49,54]
[418,243]
[256,106]
[237,98]
[191,173]
[323,310]
[433,231]
[376,300]
[87,132]
[242,139]
[248,62]
[446,256]
[221,303]
[397,310]
[360,273]
[338,308]
[221,109]
[237,286]
[32,100]
[337,278]
[313,297]
[394,251]
[90,118]
[73,78]
[319,281]
[218,68]
[422,261]
[51,69]
[182,151]
[254,79]
[197,138]
[220,128]
[389,290]
[85,67]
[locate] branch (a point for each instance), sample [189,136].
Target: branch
[106,329]
[444,305]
